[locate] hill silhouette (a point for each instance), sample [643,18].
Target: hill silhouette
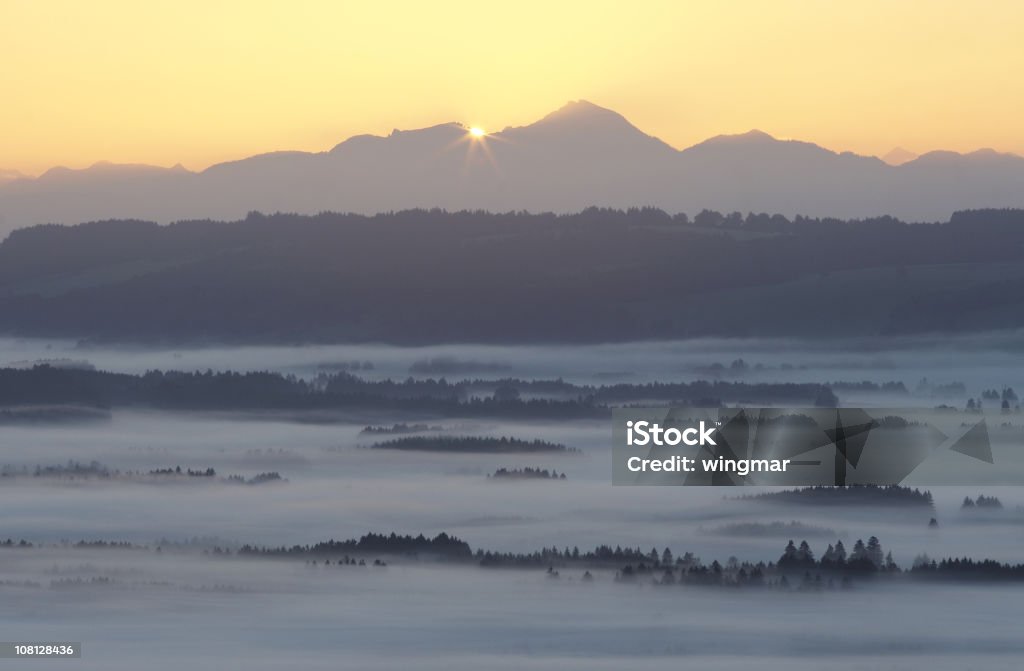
[433,276]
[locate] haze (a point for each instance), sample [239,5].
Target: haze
[178,607]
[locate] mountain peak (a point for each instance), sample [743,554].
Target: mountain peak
[978,156]
[437,129]
[582,113]
[753,136]
[990,153]
[898,156]
[581,128]
[585,127]
[582,107]
[442,132]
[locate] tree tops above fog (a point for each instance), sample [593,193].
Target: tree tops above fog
[442,546]
[797,568]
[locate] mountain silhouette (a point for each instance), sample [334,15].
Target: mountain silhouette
[577,156]
[898,156]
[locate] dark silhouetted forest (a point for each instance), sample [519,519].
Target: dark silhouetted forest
[46,385]
[471,444]
[888,495]
[599,275]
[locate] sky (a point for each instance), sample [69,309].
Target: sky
[198,82]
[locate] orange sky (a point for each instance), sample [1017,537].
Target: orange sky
[164,81]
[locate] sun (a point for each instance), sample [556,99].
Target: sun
[477,145]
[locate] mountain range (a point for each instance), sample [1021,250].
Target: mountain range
[578,156]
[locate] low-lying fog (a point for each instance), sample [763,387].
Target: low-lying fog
[336,488]
[172,612]
[978,361]
[179,607]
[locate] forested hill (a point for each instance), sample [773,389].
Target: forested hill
[433,276]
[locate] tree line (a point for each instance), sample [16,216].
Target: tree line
[557,278]
[797,567]
[227,390]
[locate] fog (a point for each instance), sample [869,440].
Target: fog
[175,607]
[979,361]
[168,612]
[336,488]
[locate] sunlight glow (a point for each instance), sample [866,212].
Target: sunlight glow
[137,100]
[477,132]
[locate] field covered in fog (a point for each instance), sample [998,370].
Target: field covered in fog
[117,480]
[277,615]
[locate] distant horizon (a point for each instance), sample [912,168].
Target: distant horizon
[896,155]
[197,84]
[578,155]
